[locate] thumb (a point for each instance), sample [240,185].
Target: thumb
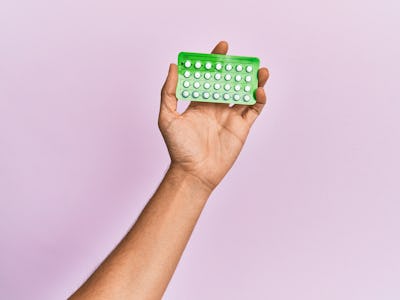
[168,96]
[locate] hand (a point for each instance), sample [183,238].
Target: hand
[206,139]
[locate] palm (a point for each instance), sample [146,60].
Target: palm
[206,139]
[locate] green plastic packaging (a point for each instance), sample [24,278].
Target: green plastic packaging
[217,78]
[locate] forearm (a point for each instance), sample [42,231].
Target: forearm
[141,266]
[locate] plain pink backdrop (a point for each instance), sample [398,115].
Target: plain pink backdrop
[310,210]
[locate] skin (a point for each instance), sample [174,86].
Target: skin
[203,143]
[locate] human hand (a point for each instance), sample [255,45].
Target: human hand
[205,140]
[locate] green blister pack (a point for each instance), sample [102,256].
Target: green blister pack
[217,78]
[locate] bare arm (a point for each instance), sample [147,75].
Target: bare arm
[203,143]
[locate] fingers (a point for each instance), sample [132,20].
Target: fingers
[253,111]
[220,48]
[263,75]
[168,96]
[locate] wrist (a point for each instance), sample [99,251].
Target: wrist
[190,179]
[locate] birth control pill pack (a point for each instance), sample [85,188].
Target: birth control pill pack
[217,78]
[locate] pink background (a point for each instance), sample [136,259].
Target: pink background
[309,211]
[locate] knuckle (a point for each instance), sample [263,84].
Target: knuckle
[162,122]
[163,91]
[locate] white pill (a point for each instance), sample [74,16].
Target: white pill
[197,75]
[236,97]
[227,87]
[207,75]
[216,95]
[218,66]
[249,69]
[239,68]
[196,84]
[237,87]
[185,94]
[208,65]
[228,77]
[226,96]
[228,67]
[217,76]
[188,64]
[238,77]
[186,74]
[186,84]
[197,65]
[217,86]
[248,78]
[206,95]
[246,98]
[207,85]
[247,88]
[196,94]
